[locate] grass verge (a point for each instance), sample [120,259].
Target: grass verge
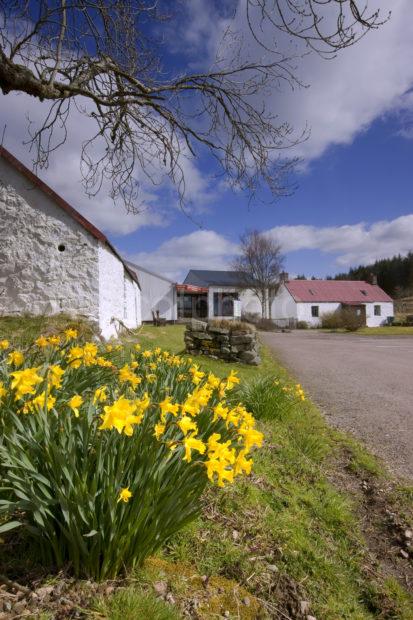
[293,534]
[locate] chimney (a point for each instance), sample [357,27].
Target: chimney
[283,276]
[374,279]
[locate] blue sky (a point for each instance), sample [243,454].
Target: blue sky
[353,201]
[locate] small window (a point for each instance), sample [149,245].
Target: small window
[311,291]
[314,311]
[377,310]
[363,292]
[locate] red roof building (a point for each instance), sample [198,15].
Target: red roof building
[306,301]
[343,291]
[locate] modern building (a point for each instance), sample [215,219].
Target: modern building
[158,295]
[207,294]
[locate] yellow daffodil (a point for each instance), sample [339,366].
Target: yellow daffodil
[186,424]
[159,430]
[55,376]
[251,438]
[197,375]
[70,333]
[218,467]
[16,358]
[74,403]
[54,340]
[191,443]
[121,416]
[220,412]
[4,344]
[167,406]
[242,465]
[124,495]
[213,380]
[127,375]
[147,354]
[138,347]
[100,395]
[75,357]
[90,351]
[25,381]
[40,402]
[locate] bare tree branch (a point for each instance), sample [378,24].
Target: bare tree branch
[260,263]
[102,56]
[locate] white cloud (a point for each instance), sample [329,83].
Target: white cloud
[157,203]
[345,94]
[354,244]
[202,249]
[350,245]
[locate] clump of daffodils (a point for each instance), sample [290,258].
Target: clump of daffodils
[113,446]
[294,391]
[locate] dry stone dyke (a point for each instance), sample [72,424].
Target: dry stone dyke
[237,344]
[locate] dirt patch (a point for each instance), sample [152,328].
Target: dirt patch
[386,525]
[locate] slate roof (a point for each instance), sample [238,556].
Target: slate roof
[344,291]
[201,277]
[65,206]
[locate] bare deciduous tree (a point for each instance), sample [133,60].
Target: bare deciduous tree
[102,57]
[260,262]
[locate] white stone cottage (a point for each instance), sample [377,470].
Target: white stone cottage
[158,294]
[216,295]
[54,260]
[308,300]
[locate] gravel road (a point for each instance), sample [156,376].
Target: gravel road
[362,384]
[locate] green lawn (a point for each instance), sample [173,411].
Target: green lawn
[288,533]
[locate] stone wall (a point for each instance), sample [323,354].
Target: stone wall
[237,344]
[48,262]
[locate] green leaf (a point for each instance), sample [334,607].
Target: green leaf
[11,525]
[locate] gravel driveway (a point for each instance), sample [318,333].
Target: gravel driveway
[362,384]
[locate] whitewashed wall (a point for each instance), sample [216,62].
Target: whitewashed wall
[283,306]
[157,293]
[387,310]
[119,296]
[304,311]
[34,275]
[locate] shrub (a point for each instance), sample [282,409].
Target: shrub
[104,452]
[302,325]
[331,320]
[345,318]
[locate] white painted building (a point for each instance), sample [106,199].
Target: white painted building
[308,300]
[54,260]
[207,294]
[158,294]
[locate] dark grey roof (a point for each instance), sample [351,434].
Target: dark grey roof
[201,277]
